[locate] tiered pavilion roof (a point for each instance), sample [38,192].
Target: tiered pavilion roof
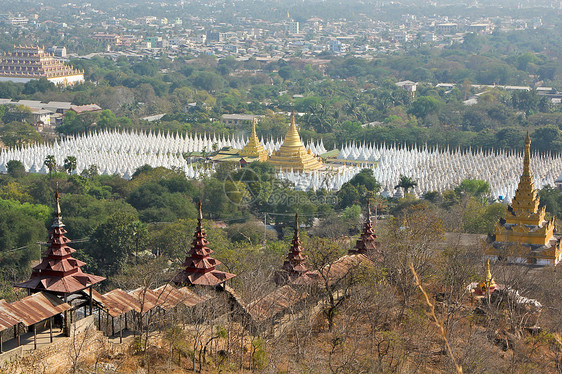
[294,266]
[367,243]
[58,271]
[200,267]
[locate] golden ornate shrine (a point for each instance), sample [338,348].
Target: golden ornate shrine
[254,148]
[524,235]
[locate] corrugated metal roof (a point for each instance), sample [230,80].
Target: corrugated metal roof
[7,316]
[146,298]
[170,297]
[275,302]
[344,265]
[34,308]
[119,302]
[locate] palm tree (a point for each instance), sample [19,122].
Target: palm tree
[70,164]
[406,183]
[51,164]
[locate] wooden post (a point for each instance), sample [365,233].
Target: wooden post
[65,323]
[91,301]
[121,329]
[17,332]
[1,337]
[35,336]
[51,328]
[99,317]
[126,321]
[112,326]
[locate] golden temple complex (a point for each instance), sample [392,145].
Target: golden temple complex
[292,154]
[26,63]
[254,149]
[524,235]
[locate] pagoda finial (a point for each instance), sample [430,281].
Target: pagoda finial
[296,224]
[199,265]
[527,158]
[57,216]
[57,200]
[489,280]
[200,216]
[254,133]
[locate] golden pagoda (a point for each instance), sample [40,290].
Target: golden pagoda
[293,154]
[524,235]
[254,149]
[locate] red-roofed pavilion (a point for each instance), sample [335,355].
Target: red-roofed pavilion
[199,265]
[367,243]
[294,266]
[59,272]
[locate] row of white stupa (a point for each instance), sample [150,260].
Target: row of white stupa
[439,170]
[433,169]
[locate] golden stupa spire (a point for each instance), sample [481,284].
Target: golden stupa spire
[526,200]
[527,158]
[254,148]
[292,139]
[489,280]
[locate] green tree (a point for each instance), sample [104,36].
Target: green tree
[287,72]
[21,227]
[207,81]
[15,168]
[423,106]
[70,164]
[547,138]
[113,242]
[51,163]
[474,187]
[18,133]
[406,183]
[38,85]
[107,119]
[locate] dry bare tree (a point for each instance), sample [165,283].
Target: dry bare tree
[411,237]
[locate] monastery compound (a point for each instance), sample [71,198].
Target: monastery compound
[26,63]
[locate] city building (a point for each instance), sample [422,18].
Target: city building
[408,86]
[57,51]
[446,28]
[112,39]
[26,63]
[292,27]
[236,120]
[524,235]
